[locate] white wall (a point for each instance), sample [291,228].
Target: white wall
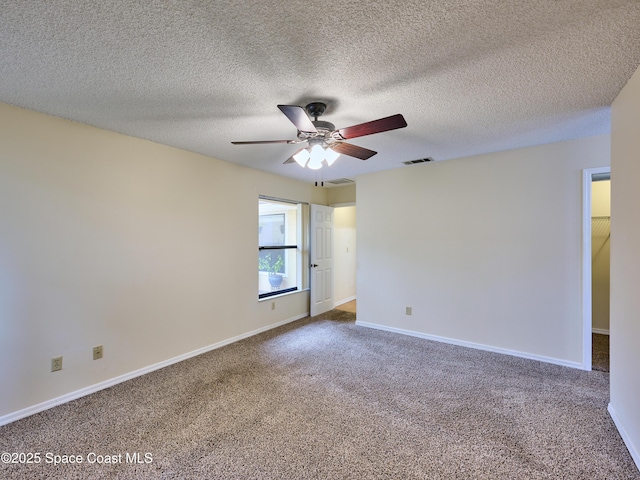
[625,264]
[110,240]
[600,255]
[486,249]
[345,254]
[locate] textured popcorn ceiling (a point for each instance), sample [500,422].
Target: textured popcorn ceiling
[470,76]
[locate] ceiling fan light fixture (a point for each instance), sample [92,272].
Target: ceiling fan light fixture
[330,156]
[314,164]
[316,157]
[302,157]
[313,157]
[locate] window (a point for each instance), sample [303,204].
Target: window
[282,251]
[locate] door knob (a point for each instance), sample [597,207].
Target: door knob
[313,265]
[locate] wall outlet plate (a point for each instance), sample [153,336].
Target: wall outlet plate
[56,364]
[408,311]
[97,352]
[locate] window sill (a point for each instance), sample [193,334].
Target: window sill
[279,295]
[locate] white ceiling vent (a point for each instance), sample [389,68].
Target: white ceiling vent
[340,181]
[420,160]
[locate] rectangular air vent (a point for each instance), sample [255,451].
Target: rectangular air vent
[420,160]
[340,181]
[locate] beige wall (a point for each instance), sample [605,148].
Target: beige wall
[600,254]
[601,198]
[341,195]
[486,249]
[110,240]
[625,264]
[345,254]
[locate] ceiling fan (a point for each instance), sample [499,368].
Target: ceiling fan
[326,142]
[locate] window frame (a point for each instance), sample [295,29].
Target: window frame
[301,247]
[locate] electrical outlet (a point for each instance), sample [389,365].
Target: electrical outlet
[273,305]
[56,364]
[97,352]
[408,311]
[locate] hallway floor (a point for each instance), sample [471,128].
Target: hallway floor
[348,307]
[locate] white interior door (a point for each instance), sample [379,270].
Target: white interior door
[321,247]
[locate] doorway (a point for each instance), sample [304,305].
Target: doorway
[596,255]
[600,268]
[345,255]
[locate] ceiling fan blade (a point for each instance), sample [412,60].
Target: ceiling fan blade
[352,150]
[375,126]
[264,142]
[298,117]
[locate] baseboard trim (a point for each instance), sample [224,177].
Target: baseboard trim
[344,300]
[25,412]
[600,331]
[625,437]
[477,346]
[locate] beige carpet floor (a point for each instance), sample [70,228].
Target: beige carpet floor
[324,399]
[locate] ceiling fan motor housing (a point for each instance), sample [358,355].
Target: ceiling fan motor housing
[323,136]
[322,125]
